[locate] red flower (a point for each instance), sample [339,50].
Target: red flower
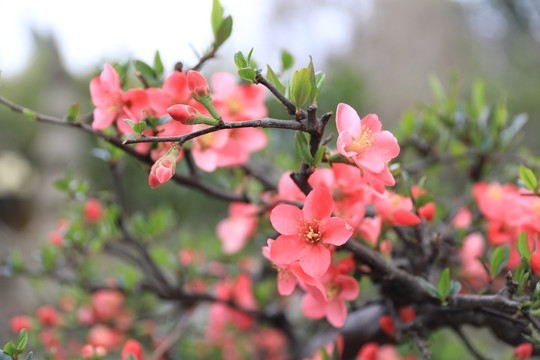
[307,233]
[17,323]
[134,348]
[523,351]
[48,316]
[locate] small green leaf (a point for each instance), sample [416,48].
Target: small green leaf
[22,339]
[499,259]
[73,113]
[249,60]
[523,247]
[287,60]
[247,74]
[240,61]
[158,64]
[30,355]
[223,32]
[136,127]
[131,357]
[146,72]
[271,76]
[527,176]
[536,294]
[217,16]
[444,284]
[314,90]
[427,286]
[29,114]
[319,155]
[455,287]
[408,122]
[421,184]
[423,199]
[300,87]
[302,148]
[436,88]
[10,349]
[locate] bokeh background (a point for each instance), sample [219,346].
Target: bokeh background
[377,54]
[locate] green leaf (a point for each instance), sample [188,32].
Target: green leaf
[22,339]
[29,114]
[319,155]
[30,355]
[131,357]
[478,97]
[508,134]
[444,284]
[314,90]
[136,127]
[217,16]
[4,356]
[536,293]
[287,60]
[427,286]
[300,87]
[527,176]
[436,88]
[324,354]
[247,74]
[158,64]
[73,113]
[146,72]
[249,61]
[10,349]
[499,259]
[523,247]
[240,61]
[271,76]
[455,287]
[408,122]
[421,184]
[224,31]
[423,199]
[302,148]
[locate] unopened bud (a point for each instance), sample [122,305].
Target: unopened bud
[188,115]
[197,85]
[164,168]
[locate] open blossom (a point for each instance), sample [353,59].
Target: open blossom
[113,104]
[338,288]
[306,234]
[363,141]
[395,209]
[174,91]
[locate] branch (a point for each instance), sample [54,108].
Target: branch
[291,108]
[262,123]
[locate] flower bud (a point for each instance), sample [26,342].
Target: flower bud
[197,85]
[184,113]
[93,211]
[134,348]
[188,115]
[164,168]
[523,351]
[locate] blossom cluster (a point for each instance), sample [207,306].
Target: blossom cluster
[181,98]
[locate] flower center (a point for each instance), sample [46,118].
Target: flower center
[234,105]
[495,192]
[310,232]
[206,141]
[332,290]
[363,140]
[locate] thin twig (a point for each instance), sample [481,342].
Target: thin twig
[468,344]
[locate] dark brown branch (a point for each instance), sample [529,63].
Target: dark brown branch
[210,55]
[180,179]
[291,108]
[262,123]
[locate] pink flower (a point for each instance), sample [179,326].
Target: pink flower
[107,303]
[112,103]
[17,323]
[48,316]
[338,288]
[134,348]
[93,211]
[523,351]
[363,141]
[395,209]
[235,230]
[463,218]
[473,248]
[306,234]
[102,335]
[174,91]
[197,84]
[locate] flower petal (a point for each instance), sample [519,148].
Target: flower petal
[285,218]
[347,119]
[336,312]
[315,260]
[286,249]
[336,231]
[318,205]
